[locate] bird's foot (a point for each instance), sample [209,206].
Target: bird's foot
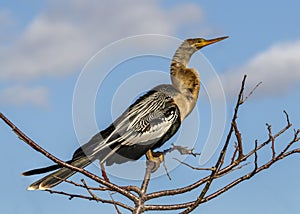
[156,158]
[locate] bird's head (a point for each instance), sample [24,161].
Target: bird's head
[199,43]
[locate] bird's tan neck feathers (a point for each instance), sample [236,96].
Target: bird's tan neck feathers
[185,80]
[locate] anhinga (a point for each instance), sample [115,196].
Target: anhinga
[146,125]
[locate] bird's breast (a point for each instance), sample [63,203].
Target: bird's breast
[184,104]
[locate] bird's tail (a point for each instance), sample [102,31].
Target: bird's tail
[56,177]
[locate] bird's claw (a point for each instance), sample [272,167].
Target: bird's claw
[156,158]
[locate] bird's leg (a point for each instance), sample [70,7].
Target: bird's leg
[156,157]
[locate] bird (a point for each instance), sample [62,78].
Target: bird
[144,126]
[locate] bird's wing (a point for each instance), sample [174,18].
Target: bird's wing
[144,122]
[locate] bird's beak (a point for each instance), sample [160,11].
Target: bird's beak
[211,41]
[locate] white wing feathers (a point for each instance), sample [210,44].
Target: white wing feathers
[143,123]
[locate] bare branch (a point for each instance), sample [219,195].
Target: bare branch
[193,167]
[81,185]
[236,149]
[104,175]
[97,198]
[272,139]
[251,92]
[149,166]
[255,160]
[71,196]
[287,118]
[169,206]
[115,203]
[166,169]
[139,205]
[89,191]
[239,140]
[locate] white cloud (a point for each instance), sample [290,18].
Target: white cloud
[20,95]
[62,37]
[278,68]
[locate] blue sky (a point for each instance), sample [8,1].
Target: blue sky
[44,46]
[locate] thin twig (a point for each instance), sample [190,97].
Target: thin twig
[81,185]
[251,92]
[89,190]
[71,196]
[236,149]
[255,160]
[272,139]
[97,198]
[103,172]
[166,169]
[115,204]
[239,140]
[193,167]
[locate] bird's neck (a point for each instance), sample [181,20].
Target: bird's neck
[179,70]
[182,56]
[185,80]
[181,75]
